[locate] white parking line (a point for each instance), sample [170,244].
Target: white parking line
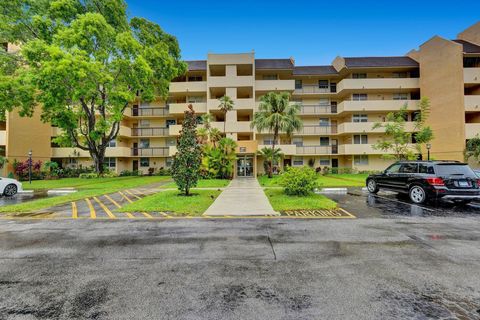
[398,201]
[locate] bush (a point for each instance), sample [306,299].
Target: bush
[299,181]
[21,170]
[163,172]
[128,173]
[91,175]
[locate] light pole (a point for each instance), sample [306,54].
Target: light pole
[30,166]
[429,146]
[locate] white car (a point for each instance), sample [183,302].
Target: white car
[9,187]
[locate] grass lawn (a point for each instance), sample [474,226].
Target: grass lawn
[204,183]
[331,180]
[171,201]
[93,187]
[282,202]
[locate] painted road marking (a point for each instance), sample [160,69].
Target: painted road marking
[147,215]
[132,194]
[318,214]
[115,203]
[406,203]
[105,208]
[74,210]
[93,214]
[125,197]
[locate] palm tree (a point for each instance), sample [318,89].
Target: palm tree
[276,114]
[215,136]
[226,104]
[272,157]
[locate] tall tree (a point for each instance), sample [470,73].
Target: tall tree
[272,158]
[277,114]
[226,104]
[83,62]
[397,139]
[187,161]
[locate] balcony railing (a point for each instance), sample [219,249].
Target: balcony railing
[316,89]
[317,109]
[316,129]
[151,152]
[149,132]
[149,112]
[333,149]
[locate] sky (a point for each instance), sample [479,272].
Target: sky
[312,32]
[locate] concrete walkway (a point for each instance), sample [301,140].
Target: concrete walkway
[242,197]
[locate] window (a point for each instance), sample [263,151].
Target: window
[298,141]
[297,161]
[360,139]
[144,143]
[333,87]
[298,84]
[169,162]
[333,106]
[394,168]
[323,84]
[110,163]
[324,122]
[359,118]
[324,141]
[400,96]
[423,168]
[399,75]
[359,75]
[270,77]
[324,161]
[268,141]
[194,78]
[144,162]
[359,97]
[360,159]
[144,123]
[170,122]
[408,168]
[112,143]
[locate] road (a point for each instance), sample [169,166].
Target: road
[395,261]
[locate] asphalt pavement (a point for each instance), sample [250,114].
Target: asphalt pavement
[395,261]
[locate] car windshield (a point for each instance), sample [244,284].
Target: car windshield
[454,170]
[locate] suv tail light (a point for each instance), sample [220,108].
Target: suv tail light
[478,183]
[435,181]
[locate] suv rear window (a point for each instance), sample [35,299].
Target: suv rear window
[454,169]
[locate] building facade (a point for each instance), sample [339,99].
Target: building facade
[339,105]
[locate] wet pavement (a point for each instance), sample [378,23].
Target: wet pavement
[25,197]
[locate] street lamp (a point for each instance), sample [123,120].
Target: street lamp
[429,146]
[30,166]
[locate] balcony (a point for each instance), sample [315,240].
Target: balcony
[316,150]
[472,103]
[472,130]
[116,152]
[376,105]
[124,132]
[231,81]
[355,149]
[150,132]
[316,130]
[314,89]
[180,108]
[274,85]
[318,109]
[184,87]
[148,112]
[239,104]
[471,75]
[150,152]
[174,129]
[3,138]
[172,151]
[378,84]
[286,149]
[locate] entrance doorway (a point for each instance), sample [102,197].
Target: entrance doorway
[135,165]
[245,166]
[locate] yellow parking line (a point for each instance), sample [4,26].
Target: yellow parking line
[115,203]
[147,215]
[132,194]
[346,212]
[93,214]
[125,197]
[74,210]
[104,207]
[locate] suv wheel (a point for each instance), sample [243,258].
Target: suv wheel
[372,186]
[10,190]
[417,194]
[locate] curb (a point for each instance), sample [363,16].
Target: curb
[332,190]
[61,191]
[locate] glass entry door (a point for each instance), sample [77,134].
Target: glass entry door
[245,166]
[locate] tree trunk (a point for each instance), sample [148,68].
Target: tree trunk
[98,160]
[275,137]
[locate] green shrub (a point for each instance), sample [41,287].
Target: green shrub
[128,173]
[299,181]
[91,175]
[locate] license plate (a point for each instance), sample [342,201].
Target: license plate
[463,183]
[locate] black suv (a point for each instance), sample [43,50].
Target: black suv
[425,180]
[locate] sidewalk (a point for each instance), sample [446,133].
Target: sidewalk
[242,197]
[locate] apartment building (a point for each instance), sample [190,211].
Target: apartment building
[339,105]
